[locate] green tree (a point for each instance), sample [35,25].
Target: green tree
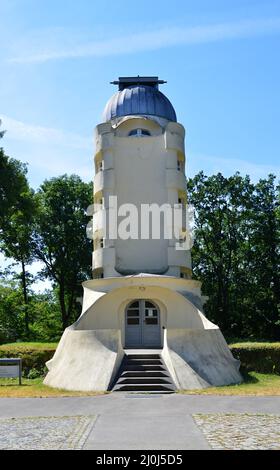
[17,213]
[61,241]
[11,313]
[236,252]
[44,314]
[13,186]
[265,243]
[45,324]
[17,243]
[222,213]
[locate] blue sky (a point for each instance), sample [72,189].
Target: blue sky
[220,58]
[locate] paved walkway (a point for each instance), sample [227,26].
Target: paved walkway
[131,421]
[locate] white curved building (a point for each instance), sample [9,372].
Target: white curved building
[142,325]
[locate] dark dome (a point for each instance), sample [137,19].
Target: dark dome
[140,99]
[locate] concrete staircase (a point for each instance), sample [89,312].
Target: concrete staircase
[143,373]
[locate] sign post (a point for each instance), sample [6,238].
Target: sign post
[11,367]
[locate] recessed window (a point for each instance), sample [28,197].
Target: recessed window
[139,133]
[98,243]
[179,165]
[181,200]
[98,274]
[100,202]
[184,274]
[99,166]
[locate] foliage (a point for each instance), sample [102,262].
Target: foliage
[33,358]
[258,357]
[11,314]
[236,252]
[13,188]
[17,213]
[27,345]
[43,313]
[60,239]
[45,317]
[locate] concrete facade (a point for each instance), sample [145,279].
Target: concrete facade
[154,161]
[146,170]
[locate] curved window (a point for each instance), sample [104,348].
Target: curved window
[139,133]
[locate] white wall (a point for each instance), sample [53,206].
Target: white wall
[142,170]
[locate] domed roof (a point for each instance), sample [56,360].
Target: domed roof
[139,99]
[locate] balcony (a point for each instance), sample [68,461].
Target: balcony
[103,258]
[175,140]
[175,179]
[99,221]
[179,257]
[104,138]
[104,180]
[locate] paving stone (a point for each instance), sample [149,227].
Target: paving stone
[240,431]
[45,433]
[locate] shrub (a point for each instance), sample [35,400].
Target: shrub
[33,356]
[258,357]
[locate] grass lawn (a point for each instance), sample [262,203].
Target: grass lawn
[9,388]
[26,345]
[254,384]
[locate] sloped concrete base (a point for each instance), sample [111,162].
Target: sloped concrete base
[201,358]
[91,350]
[89,360]
[85,360]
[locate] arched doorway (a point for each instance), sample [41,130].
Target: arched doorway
[142,325]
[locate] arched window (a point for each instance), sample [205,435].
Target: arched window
[139,133]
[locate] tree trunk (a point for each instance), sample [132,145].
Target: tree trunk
[25,296]
[64,315]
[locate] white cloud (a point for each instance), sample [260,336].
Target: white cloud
[18,130]
[228,166]
[51,49]
[48,151]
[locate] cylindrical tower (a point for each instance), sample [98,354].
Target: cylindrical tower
[141,296]
[139,160]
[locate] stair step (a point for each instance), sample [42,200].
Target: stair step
[143,356]
[143,363]
[144,387]
[140,373]
[149,360]
[143,367]
[144,380]
[149,392]
[144,373]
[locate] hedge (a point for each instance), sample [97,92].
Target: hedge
[33,356]
[258,357]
